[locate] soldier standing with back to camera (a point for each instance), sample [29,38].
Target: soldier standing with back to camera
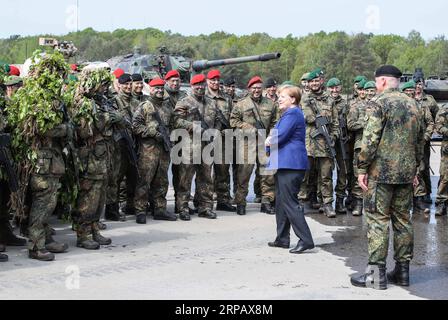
[222,170]
[391,152]
[318,104]
[151,126]
[441,127]
[245,115]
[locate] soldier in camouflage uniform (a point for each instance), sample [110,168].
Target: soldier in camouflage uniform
[94,122]
[221,171]
[356,123]
[391,151]
[370,89]
[427,122]
[319,103]
[245,115]
[189,112]
[173,94]
[137,88]
[426,101]
[154,156]
[125,104]
[441,127]
[335,87]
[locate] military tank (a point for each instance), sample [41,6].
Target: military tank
[157,65]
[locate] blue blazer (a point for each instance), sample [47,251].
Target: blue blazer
[288,150]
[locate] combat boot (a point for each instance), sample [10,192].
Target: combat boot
[41,255]
[369,279]
[164,215]
[84,237]
[185,215]
[340,205]
[54,246]
[103,241]
[140,218]
[112,212]
[314,204]
[419,206]
[441,209]
[8,237]
[209,214]
[3,257]
[241,210]
[267,208]
[223,206]
[87,244]
[329,211]
[400,274]
[358,206]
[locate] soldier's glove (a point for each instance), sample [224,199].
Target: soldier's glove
[115,117]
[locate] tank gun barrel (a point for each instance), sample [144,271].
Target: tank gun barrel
[201,65]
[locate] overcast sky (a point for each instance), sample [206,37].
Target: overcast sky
[192,17]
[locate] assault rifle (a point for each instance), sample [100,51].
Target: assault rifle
[164,131]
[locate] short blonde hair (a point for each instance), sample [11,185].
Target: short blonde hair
[292,91]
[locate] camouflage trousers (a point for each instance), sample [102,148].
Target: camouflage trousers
[384,203]
[442,191]
[114,159]
[127,177]
[356,190]
[309,184]
[222,182]
[204,186]
[44,190]
[321,171]
[153,164]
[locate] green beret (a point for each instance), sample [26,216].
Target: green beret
[370,85]
[287,83]
[408,85]
[305,76]
[13,80]
[319,72]
[359,79]
[312,75]
[333,82]
[362,83]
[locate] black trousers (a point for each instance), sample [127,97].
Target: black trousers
[288,210]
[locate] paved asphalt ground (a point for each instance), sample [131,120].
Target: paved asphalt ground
[225,259]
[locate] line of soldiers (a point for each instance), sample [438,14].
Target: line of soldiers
[345,120]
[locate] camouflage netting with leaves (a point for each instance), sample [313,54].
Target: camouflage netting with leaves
[35,109]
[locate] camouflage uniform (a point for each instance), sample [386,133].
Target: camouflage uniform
[222,171]
[427,102]
[390,153]
[185,113]
[318,152]
[153,160]
[126,105]
[94,156]
[441,127]
[45,183]
[244,117]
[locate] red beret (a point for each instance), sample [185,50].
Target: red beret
[214,74]
[172,74]
[118,73]
[74,67]
[14,71]
[157,82]
[254,80]
[197,79]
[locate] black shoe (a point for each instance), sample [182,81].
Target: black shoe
[3,257]
[369,279]
[329,211]
[141,218]
[267,208]
[165,216]
[357,207]
[340,208]
[301,247]
[8,238]
[241,210]
[56,247]
[209,214]
[419,206]
[41,255]
[87,244]
[103,241]
[184,216]
[275,244]
[400,275]
[112,212]
[222,206]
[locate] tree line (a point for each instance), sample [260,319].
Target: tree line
[338,53]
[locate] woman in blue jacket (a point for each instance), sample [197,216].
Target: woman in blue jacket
[289,157]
